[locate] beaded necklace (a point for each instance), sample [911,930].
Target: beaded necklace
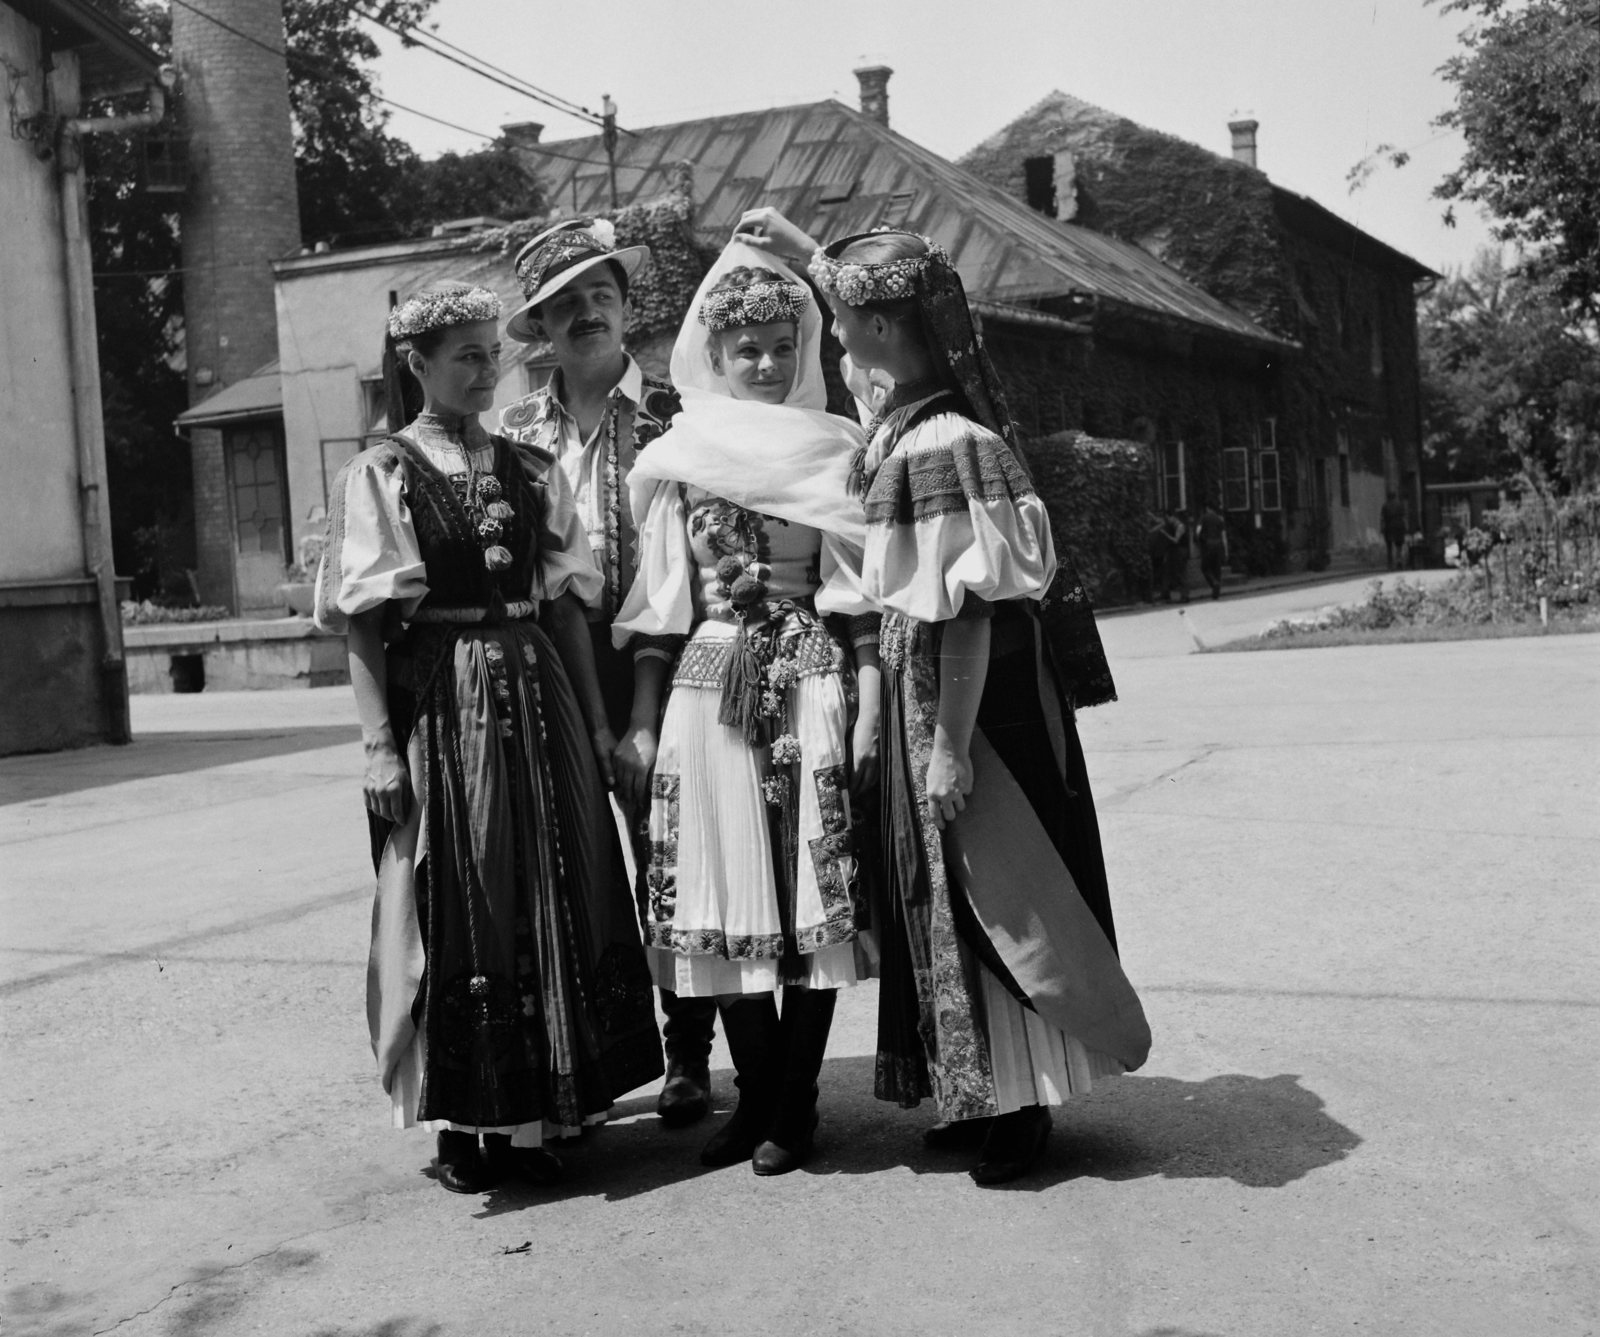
[613,503]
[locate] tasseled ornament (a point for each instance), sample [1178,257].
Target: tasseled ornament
[743,682]
[497,558]
[856,482]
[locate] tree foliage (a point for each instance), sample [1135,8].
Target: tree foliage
[1507,378]
[1528,104]
[357,184]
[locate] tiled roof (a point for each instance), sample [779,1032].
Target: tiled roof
[834,171]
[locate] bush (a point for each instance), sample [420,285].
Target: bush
[1097,494]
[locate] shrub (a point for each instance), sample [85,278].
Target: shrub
[1097,494]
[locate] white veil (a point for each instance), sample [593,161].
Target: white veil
[790,460]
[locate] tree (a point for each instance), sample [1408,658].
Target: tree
[1528,104]
[357,184]
[1507,378]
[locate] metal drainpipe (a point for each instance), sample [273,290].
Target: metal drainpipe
[89,419]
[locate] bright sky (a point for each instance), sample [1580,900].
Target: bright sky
[1329,80]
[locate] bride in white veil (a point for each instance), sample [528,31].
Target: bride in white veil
[748,604]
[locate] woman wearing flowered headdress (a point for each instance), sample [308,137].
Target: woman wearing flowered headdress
[748,541]
[507,993]
[1001,993]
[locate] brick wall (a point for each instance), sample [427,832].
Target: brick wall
[213,523]
[242,210]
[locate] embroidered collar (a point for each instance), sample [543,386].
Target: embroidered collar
[448,430]
[913,392]
[630,387]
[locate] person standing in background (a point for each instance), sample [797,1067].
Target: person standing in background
[1177,535]
[1213,548]
[595,416]
[1392,520]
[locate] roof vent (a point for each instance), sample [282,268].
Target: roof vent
[874,80]
[1244,141]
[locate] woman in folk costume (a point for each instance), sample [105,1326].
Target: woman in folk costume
[1001,993]
[748,537]
[507,992]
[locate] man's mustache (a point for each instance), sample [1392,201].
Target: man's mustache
[580,327]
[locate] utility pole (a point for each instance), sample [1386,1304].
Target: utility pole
[608,137]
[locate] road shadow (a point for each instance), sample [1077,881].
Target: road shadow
[1261,1132]
[47,775]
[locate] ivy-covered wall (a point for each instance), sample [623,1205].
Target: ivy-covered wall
[1098,495]
[1279,259]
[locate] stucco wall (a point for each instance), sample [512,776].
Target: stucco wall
[40,534]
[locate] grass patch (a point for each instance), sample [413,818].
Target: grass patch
[1405,635]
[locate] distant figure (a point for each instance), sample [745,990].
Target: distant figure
[1177,535]
[1392,520]
[1213,548]
[1157,544]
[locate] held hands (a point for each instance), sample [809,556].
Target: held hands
[386,787]
[768,230]
[635,758]
[604,743]
[949,779]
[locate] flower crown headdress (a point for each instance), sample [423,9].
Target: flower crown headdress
[855,283]
[759,302]
[442,310]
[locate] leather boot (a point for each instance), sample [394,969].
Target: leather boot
[755,1039]
[1014,1143]
[461,1167]
[956,1134]
[533,1165]
[807,1019]
[686,1096]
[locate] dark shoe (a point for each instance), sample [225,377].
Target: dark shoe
[461,1167]
[532,1165]
[686,1098]
[792,1142]
[956,1135]
[1014,1143]
[755,1040]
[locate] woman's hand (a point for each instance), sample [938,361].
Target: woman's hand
[864,751]
[768,230]
[949,779]
[604,743]
[635,759]
[386,787]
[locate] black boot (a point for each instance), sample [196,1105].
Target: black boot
[956,1134]
[533,1165]
[807,1019]
[686,1097]
[461,1167]
[1014,1143]
[755,1039]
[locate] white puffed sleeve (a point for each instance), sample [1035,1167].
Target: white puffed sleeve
[371,554]
[566,562]
[951,513]
[660,602]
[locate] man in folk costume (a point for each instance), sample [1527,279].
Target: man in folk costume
[595,416]
[1002,992]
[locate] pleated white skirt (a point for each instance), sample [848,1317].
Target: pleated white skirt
[713,921]
[1034,1062]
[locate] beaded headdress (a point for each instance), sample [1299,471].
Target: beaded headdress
[759,302]
[442,309]
[856,284]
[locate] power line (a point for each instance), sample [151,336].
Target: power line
[417,37]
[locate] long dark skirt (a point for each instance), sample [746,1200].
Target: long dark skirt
[504,931]
[931,1040]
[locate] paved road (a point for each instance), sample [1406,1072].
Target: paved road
[1355,887]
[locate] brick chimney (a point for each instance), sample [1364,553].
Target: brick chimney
[523,134]
[874,80]
[1244,141]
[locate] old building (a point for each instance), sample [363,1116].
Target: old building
[63,680]
[240,213]
[1345,423]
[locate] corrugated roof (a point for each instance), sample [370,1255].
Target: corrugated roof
[259,395]
[834,172]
